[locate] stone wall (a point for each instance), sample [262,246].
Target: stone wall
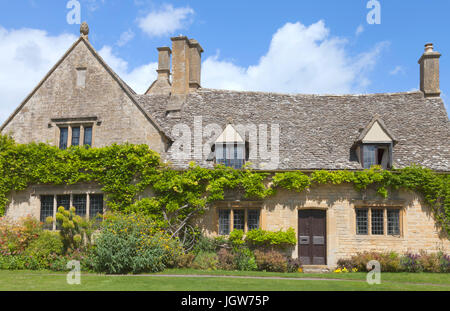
[118,118]
[418,229]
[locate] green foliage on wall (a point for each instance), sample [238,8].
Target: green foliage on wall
[124,171]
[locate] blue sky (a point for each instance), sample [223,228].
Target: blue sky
[320,46]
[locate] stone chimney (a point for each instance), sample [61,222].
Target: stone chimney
[429,71]
[186,70]
[162,84]
[195,65]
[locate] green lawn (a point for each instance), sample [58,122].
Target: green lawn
[43,281]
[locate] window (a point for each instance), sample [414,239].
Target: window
[79,201]
[75,135]
[88,136]
[376,155]
[224,222]
[46,210]
[393,218]
[95,205]
[238,219]
[231,154]
[253,219]
[362,226]
[63,137]
[376,224]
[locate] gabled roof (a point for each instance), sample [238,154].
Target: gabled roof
[319,131]
[127,89]
[230,135]
[376,120]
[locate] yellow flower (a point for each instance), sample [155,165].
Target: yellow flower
[337,271]
[354,270]
[345,270]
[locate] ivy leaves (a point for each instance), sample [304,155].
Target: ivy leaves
[126,171]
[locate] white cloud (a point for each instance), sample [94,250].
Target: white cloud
[139,78]
[166,21]
[300,59]
[397,70]
[125,37]
[359,30]
[26,55]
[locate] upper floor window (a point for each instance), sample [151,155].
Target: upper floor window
[375,145]
[75,135]
[230,148]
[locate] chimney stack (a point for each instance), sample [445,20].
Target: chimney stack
[162,84]
[186,70]
[195,64]
[429,71]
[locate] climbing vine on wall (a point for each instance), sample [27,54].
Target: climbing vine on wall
[124,171]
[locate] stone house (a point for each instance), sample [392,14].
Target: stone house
[81,101]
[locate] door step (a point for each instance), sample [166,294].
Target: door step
[315,269]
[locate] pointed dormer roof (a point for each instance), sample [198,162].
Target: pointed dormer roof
[230,135]
[376,132]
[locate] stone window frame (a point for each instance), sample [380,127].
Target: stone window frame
[232,206]
[69,123]
[71,194]
[385,206]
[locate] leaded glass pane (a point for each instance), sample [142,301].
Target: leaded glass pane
[79,202]
[75,136]
[239,219]
[393,222]
[88,136]
[224,222]
[63,200]
[253,219]
[369,156]
[377,221]
[95,205]
[63,136]
[46,210]
[362,226]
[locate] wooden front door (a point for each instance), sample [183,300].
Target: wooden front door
[312,237]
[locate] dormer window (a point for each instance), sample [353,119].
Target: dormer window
[375,145]
[230,149]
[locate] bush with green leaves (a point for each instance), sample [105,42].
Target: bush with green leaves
[205,261]
[272,261]
[259,238]
[134,244]
[46,244]
[244,259]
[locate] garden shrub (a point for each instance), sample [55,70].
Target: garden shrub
[236,237]
[132,243]
[15,236]
[259,238]
[393,262]
[272,261]
[205,244]
[206,261]
[226,259]
[75,230]
[46,244]
[185,260]
[244,259]
[294,265]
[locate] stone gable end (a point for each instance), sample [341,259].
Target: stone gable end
[119,120]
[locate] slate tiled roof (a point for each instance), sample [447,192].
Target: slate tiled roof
[319,131]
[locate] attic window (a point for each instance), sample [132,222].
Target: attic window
[81,77]
[230,148]
[375,145]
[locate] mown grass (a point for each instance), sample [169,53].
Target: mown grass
[49,281]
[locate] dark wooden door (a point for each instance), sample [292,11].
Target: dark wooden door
[312,237]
